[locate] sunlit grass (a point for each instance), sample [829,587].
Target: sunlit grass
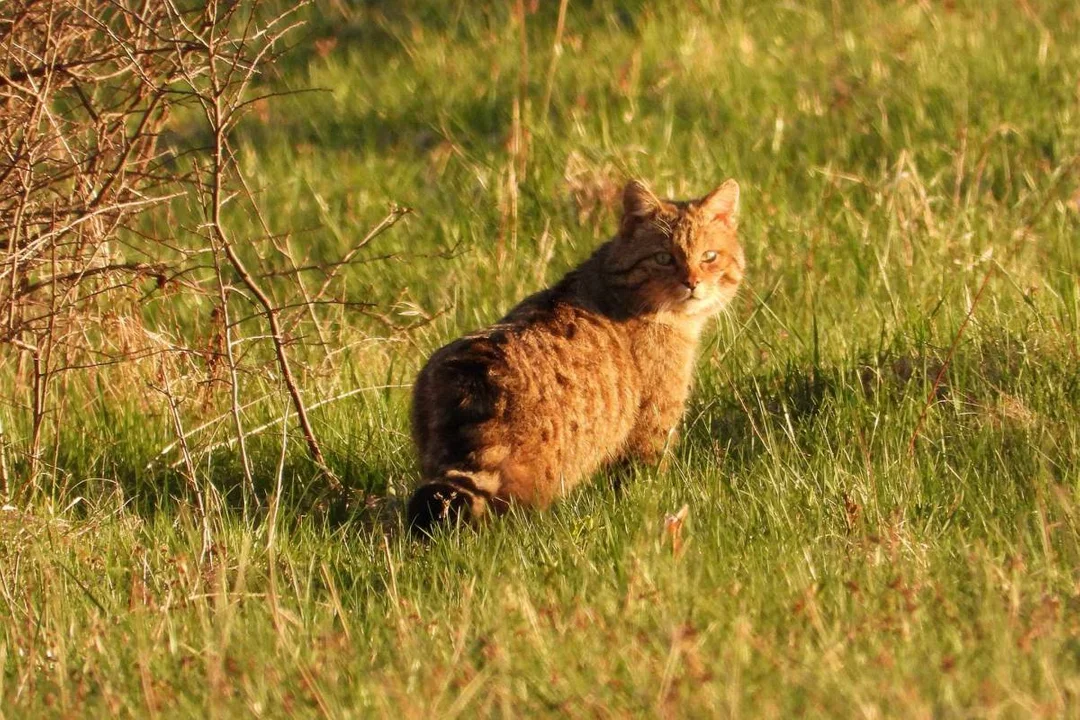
[890,157]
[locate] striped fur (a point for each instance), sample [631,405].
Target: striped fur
[593,370]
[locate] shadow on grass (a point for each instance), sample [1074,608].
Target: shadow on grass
[734,419]
[752,407]
[979,390]
[164,485]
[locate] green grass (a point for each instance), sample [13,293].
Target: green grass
[890,155]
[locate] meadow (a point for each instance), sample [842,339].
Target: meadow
[880,463]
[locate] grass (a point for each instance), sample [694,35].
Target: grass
[892,156]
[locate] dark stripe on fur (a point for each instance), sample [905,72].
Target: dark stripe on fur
[633,266]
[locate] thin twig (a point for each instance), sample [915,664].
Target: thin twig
[234,381]
[271,535]
[266,426]
[5,480]
[392,218]
[220,114]
[193,483]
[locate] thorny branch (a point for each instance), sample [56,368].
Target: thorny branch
[97,256]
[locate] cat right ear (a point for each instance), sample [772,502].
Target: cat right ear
[638,203]
[723,202]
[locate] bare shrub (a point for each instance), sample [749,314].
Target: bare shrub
[89,193]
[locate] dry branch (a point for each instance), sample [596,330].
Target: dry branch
[101,218]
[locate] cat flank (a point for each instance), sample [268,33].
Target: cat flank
[592,371]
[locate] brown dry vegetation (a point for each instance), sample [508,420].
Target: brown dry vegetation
[107,213]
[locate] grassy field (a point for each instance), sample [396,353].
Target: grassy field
[881,461]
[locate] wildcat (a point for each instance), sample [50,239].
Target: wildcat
[595,369]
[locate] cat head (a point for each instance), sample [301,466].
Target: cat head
[679,257]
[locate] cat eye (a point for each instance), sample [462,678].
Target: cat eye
[708,256]
[663,258]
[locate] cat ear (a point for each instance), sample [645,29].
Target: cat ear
[723,202]
[638,201]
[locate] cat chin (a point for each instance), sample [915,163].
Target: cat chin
[702,308]
[691,310]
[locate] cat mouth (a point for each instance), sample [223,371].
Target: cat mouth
[690,304]
[694,304]
[688,301]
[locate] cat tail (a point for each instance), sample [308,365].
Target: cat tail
[453,498]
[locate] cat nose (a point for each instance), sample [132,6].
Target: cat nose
[691,282]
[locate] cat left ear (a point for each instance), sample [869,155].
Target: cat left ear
[639,201]
[723,202]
